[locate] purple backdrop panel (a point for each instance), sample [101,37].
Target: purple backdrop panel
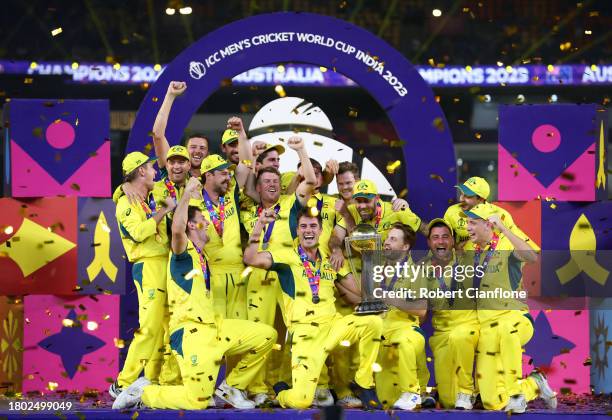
[59,147]
[339,46]
[560,347]
[69,343]
[102,261]
[577,244]
[555,151]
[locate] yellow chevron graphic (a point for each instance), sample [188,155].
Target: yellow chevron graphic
[37,247]
[582,245]
[102,259]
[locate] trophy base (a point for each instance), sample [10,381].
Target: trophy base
[371,307]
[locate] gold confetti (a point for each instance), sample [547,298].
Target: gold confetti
[56,31]
[52,386]
[392,166]
[8,230]
[439,124]
[155,99]
[119,343]
[75,187]
[436,177]
[553,206]
[478,136]
[313,211]
[353,112]
[67,322]
[345,343]
[403,193]
[376,367]
[191,274]
[92,325]
[28,80]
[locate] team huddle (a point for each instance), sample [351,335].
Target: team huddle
[239,266]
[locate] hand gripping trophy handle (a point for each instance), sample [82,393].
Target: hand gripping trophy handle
[366,242]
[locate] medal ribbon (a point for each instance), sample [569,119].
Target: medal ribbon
[150,209]
[313,278]
[378,214]
[485,263]
[204,266]
[453,286]
[170,188]
[217,220]
[394,279]
[270,226]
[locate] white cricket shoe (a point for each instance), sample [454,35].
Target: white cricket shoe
[517,404]
[233,397]
[350,401]
[407,401]
[463,401]
[131,396]
[323,398]
[546,393]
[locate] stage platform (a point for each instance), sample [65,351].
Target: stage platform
[88,408]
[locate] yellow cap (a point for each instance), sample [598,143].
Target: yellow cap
[475,186]
[481,211]
[215,163]
[177,151]
[134,160]
[229,136]
[365,189]
[439,220]
[278,147]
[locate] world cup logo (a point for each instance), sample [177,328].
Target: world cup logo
[197,70]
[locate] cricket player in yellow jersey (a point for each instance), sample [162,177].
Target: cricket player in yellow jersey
[200,338]
[369,208]
[307,281]
[145,241]
[475,191]
[505,323]
[454,319]
[196,144]
[263,290]
[403,346]
[224,248]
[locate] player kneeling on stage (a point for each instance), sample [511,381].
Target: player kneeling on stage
[198,339]
[307,280]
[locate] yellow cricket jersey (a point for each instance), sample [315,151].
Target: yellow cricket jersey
[448,312]
[285,227]
[225,253]
[286,178]
[402,284]
[504,271]
[188,297]
[297,295]
[388,217]
[458,220]
[141,237]
[326,204]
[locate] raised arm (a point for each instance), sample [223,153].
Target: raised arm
[522,250]
[306,187]
[245,154]
[161,121]
[251,255]
[179,221]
